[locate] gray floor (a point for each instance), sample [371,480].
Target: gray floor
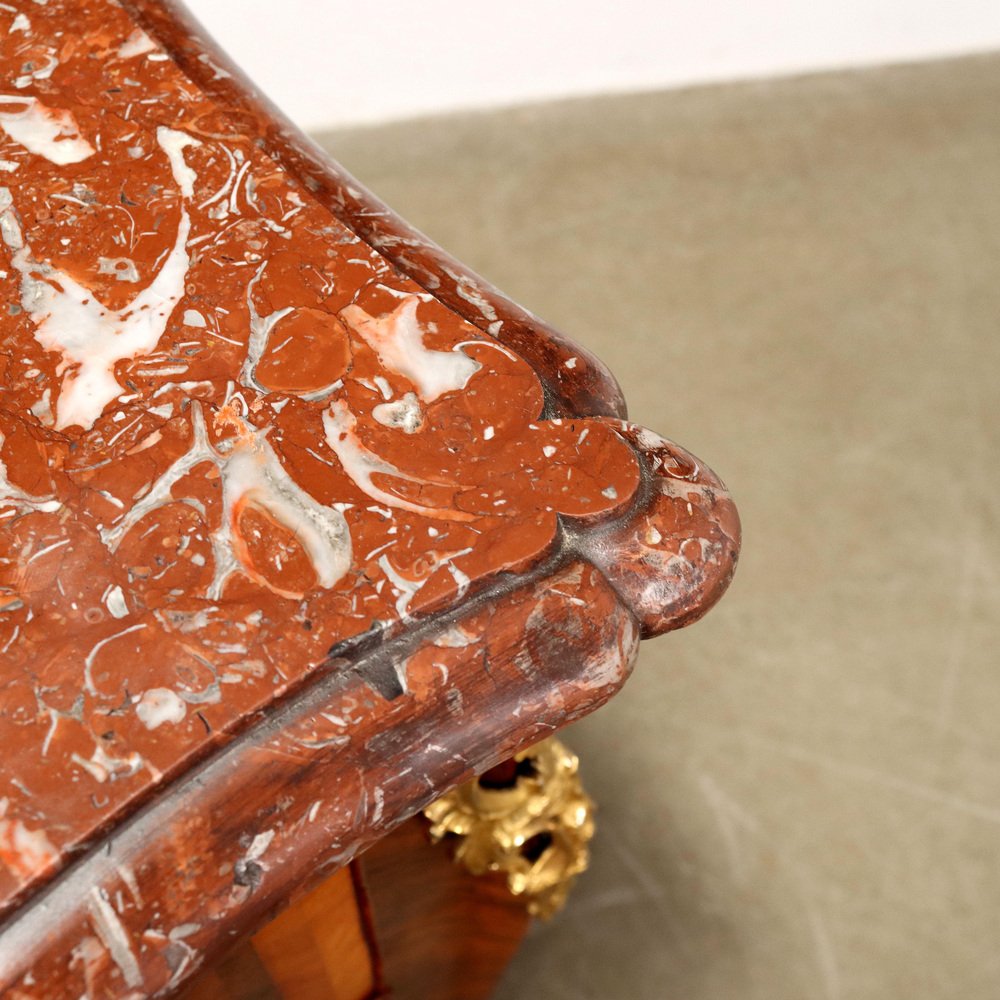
[800,796]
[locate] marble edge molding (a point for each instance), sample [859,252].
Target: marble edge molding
[309,786]
[576,382]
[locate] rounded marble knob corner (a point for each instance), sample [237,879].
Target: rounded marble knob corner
[672,555]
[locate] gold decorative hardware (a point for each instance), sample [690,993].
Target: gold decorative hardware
[529,818]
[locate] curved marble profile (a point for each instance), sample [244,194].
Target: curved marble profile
[301,522]
[672,556]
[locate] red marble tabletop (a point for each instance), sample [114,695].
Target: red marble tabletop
[236,433]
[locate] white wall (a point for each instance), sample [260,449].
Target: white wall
[335,62]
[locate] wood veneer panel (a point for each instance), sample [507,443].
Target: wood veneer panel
[239,975]
[317,949]
[443,933]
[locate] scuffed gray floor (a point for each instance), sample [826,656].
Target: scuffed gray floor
[800,281]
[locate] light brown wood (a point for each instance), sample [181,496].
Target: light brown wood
[240,975]
[443,934]
[317,949]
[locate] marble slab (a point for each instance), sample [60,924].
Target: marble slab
[246,429]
